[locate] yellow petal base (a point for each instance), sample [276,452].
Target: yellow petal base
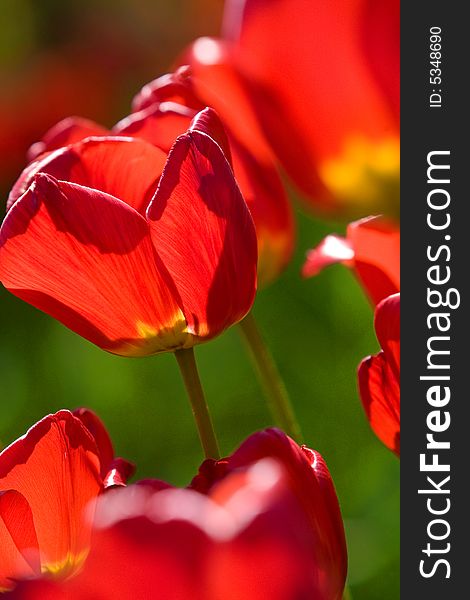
[365,177]
[150,340]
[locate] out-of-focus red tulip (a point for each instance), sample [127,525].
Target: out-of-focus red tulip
[323,78]
[84,62]
[63,82]
[371,248]
[48,478]
[137,251]
[379,376]
[263,523]
[163,110]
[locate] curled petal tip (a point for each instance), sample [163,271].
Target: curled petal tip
[207,121]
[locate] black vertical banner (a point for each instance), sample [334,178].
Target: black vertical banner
[435,258]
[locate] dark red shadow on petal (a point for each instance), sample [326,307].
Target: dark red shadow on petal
[56,196]
[58,164]
[159,125]
[381,40]
[17,516]
[179,154]
[208,122]
[65,201]
[380,395]
[375,281]
[97,429]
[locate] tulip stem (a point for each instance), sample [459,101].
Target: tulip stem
[192,382]
[270,378]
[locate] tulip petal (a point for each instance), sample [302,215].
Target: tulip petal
[87,259]
[203,231]
[376,244]
[208,122]
[173,87]
[337,137]
[387,327]
[103,442]
[379,376]
[67,131]
[126,168]
[55,467]
[381,39]
[380,395]
[307,474]
[39,589]
[283,29]
[160,124]
[19,548]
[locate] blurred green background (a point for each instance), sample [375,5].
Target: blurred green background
[318,329]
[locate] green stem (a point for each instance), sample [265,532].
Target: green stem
[270,378]
[188,368]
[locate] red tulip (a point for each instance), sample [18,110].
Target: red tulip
[309,480]
[137,251]
[263,523]
[323,78]
[371,248]
[47,479]
[379,376]
[163,110]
